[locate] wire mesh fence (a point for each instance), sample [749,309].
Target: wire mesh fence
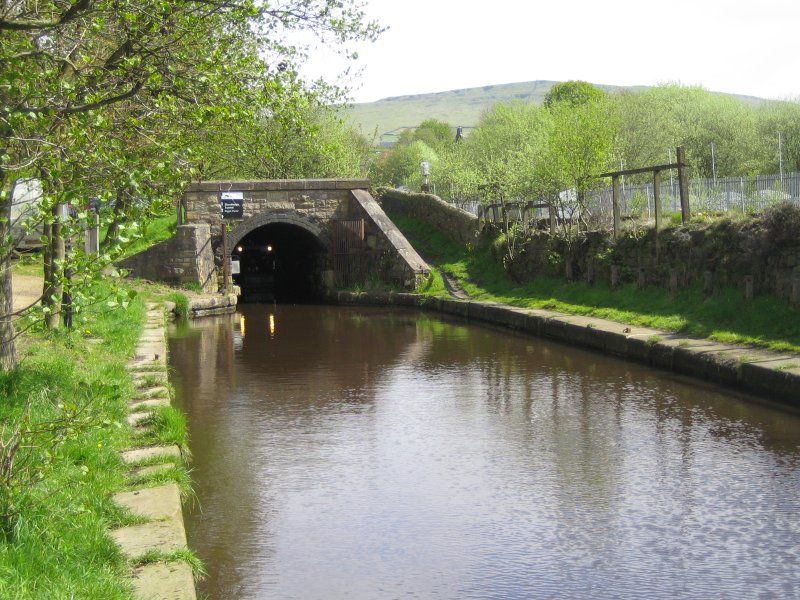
[723,194]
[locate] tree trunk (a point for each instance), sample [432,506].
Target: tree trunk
[120,214]
[8,349]
[47,259]
[53,285]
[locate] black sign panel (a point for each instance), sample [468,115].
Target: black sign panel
[232,205]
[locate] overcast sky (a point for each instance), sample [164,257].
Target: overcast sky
[747,47]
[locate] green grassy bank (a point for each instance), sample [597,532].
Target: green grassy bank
[64,411]
[726,316]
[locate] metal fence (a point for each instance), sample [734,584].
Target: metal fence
[742,194]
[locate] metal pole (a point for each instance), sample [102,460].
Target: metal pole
[615,204]
[714,163]
[683,183]
[780,155]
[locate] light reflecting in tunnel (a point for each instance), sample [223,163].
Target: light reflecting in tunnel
[279,262]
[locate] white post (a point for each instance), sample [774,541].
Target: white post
[780,156]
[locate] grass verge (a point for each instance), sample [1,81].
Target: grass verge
[66,406]
[726,316]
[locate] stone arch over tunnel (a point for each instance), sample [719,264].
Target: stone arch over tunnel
[282,257]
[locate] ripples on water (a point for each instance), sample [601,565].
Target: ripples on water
[362,453]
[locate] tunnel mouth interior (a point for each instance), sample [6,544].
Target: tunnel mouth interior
[279,262]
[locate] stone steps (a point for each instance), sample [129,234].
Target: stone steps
[161,506]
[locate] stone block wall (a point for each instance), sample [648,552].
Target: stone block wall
[389,253]
[318,199]
[460,225]
[184,259]
[730,251]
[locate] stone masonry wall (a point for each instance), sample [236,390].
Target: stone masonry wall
[318,199]
[460,225]
[390,255]
[728,251]
[184,259]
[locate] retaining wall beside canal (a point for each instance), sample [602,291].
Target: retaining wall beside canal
[773,376]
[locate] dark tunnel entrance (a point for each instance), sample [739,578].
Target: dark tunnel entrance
[279,262]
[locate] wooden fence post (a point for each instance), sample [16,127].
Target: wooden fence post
[657,208]
[615,204]
[749,281]
[553,221]
[657,199]
[615,276]
[683,182]
[708,283]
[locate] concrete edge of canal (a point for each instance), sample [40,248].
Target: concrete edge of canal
[161,532]
[768,374]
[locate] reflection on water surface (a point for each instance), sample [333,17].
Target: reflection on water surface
[369,453]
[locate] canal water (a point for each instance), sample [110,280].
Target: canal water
[368,453]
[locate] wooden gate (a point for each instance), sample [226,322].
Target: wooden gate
[348,251]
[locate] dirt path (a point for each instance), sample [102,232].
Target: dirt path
[454,287]
[27,289]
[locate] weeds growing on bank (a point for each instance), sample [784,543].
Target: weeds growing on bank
[726,316]
[66,406]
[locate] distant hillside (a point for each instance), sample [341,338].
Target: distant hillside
[457,107]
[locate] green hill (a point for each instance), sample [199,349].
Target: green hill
[458,107]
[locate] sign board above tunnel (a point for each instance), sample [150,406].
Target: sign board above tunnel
[232,205]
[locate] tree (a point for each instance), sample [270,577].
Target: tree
[581,146]
[438,135]
[402,165]
[574,93]
[282,146]
[100,98]
[500,154]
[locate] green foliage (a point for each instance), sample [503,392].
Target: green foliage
[519,150]
[401,166]
[67,401]
[127,101]
[434,285]
[181,304]
[308,141]
[727,317]
[436,134]
[655,121]
[783,224]
[573,93]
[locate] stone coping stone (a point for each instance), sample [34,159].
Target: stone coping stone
[278,184]
[138,454]
[141,375]
[163,536]
[212,301]
[162,502]
[151,392]
[142,471]
[137,406]
[135,418]
[164,581]
[770,374]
